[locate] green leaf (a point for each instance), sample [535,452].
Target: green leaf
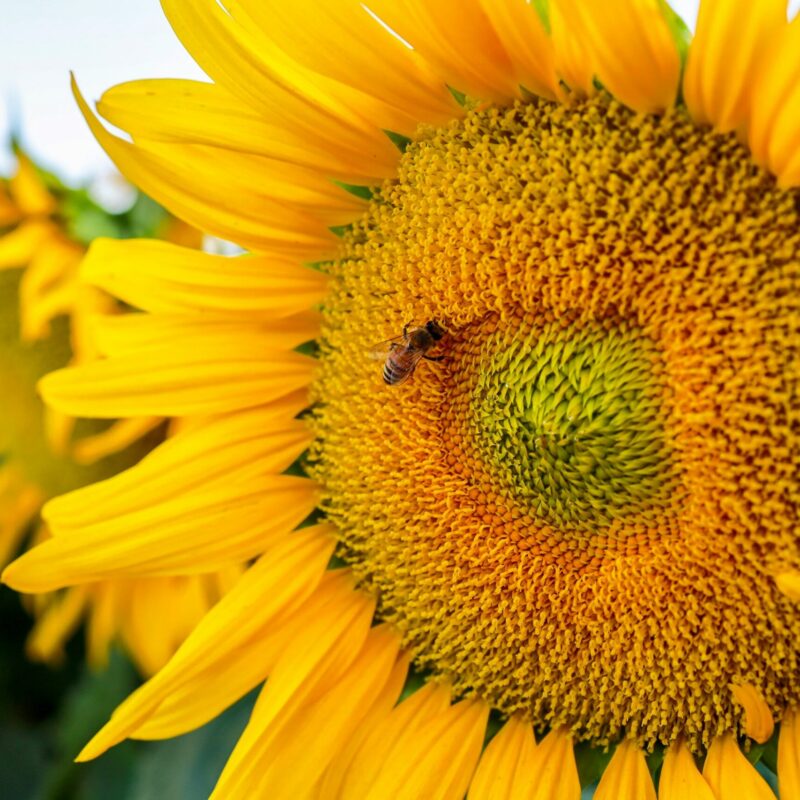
[187,768]
[22,762]
[89,705]
[768,775]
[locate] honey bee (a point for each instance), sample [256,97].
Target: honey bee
[403,353]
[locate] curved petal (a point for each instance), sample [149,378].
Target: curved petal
[159,276]
[527,44]
[758,722]
[284,758]
[230,212]
[375,754]
[197,372]
[680,778]
[342,40]
[233,641]
[474,61]
[192,112]
[506,769]
[774,125]
[730,775]
[626,776]
[631,48]
[556,769]
[203,499]
[726,51]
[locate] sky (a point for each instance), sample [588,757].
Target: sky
[104,43]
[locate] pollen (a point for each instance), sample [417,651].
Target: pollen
[578,513]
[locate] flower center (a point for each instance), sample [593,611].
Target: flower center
[577,512]
[569,422]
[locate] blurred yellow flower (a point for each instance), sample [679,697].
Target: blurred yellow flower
[48,318]
[583,514]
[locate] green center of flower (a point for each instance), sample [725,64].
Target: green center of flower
[570,420]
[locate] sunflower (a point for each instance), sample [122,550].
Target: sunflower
[47,319]
[567,544]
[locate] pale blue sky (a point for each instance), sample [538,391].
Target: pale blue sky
[104,43]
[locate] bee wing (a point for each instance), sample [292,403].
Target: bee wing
[380,350]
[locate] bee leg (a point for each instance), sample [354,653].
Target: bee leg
[433,358]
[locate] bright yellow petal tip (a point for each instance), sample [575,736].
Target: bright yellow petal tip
[758,722]
[730,775]
[626,777]
[680,777]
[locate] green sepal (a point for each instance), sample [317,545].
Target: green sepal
[460,97]
[681,35]
[542,8]
[591,762]
[769,755]
[398,140]
[340,230]
[415,680]
[362,192]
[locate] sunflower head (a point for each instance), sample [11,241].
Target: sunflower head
[577,506]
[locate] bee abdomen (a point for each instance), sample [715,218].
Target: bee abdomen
[393,374]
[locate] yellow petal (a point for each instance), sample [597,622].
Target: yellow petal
[555,768]
[158,276]
[527,44]
[149,635]
[196,503]
[407,719]
[573,62]
[789,584]
[198,372]
[226,641]
[473,62]
[331,785]
[128,334]
[680,778]
[626,777]
[774,126]
[203,113]
[506,769]
[758,722]
[18,247]
[28,190]
[632,50]
[789,755]
[342,40]
[309,105]
[55,624]
[436,762]
[231,212]
[730,775]
[19,502]
[729,43]
[286,757]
